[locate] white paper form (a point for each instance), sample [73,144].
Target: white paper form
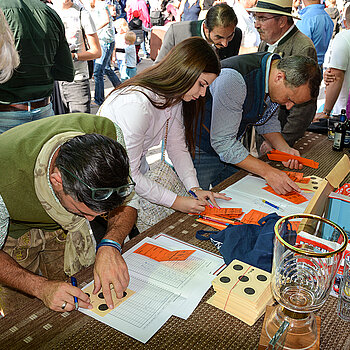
[248,193]
[162,289]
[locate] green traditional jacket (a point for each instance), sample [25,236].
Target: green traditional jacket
[19,148]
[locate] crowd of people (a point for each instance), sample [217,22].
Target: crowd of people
[229,75]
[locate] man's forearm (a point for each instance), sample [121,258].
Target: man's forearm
[332,93]
[15,276]
[254,166]
[276,140]
[120,222]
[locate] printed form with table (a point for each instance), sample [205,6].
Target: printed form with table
[169,277]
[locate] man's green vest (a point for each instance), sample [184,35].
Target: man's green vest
[19,148]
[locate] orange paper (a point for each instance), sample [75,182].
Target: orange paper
[297,177]
[212,224]
[283,157]
[228,213]
[222,219]
[293,196]
[161,254]
[253,217]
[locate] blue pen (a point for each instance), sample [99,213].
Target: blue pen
[270,204]
[192,194]
[74,283]
[196,197]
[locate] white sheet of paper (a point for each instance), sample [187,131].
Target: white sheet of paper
[162,289]
[248,193]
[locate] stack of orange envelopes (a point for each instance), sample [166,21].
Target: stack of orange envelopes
[243,291]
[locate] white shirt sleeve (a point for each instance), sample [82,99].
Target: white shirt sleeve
[143,126]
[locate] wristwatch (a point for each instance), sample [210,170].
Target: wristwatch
[75,57]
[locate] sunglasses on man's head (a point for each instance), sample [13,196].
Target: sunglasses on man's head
[101,194]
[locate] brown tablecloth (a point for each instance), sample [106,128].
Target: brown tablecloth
[36,327]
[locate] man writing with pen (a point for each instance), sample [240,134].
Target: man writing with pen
[57,174]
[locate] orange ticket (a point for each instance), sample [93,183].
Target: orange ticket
[293,196]
[253,217]
[297,177]
[283,157]
[212,224]
[225,212]
[161,254]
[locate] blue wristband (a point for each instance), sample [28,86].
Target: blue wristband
[109,243]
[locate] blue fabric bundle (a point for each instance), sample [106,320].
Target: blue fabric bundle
[252,244]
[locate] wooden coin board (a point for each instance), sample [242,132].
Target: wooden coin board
[243,291]
[98,302]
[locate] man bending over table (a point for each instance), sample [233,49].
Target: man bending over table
[247,93]
[57,174]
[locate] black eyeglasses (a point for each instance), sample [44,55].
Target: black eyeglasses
[101,194]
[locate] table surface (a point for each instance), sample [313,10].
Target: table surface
[36,327]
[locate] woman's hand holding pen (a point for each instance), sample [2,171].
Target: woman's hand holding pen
[196,205]
[208,197]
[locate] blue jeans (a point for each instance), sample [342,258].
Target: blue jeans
[102,66]
[211,170]
[11,119]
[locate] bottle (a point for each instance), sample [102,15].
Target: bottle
[339,132]
[347,134]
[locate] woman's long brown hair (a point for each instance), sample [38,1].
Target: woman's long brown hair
[174,75]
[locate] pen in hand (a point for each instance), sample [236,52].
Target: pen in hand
[74,283]
[196,197]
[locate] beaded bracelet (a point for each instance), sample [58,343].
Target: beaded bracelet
[109,243]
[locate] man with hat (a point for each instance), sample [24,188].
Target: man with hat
[274,22]
[218,29]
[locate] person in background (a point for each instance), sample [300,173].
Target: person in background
[218,29]
[9,58]
[278,34]
[334,14]
[337,75]
[170,92]
[121,28]
[105,31]
[250,36]
[128,68]
[317,25]
[137,10]
[76,95]
[44,53]
[189,10]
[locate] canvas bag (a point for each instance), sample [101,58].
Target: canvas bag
[252,244]
[150,213]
